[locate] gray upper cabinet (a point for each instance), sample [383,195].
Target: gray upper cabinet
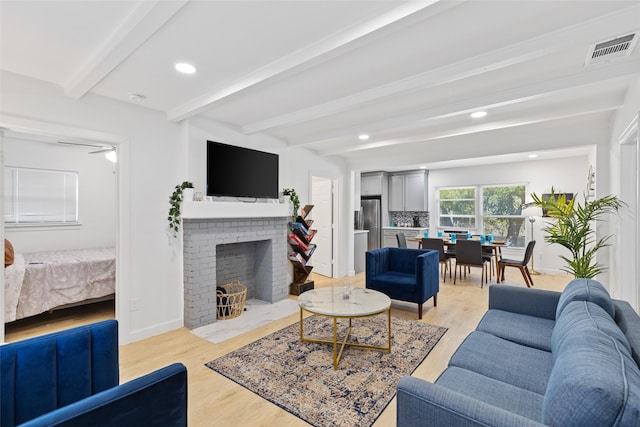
[396,192]
[408,191]
[371,184]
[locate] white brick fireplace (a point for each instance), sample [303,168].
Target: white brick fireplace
[225,241]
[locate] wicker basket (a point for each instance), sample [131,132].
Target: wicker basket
[231,303]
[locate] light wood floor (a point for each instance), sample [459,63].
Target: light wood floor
[215,400]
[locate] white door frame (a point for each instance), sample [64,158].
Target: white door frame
[628,233]
[334,214]
[36,127]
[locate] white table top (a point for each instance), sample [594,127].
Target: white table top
[330,302]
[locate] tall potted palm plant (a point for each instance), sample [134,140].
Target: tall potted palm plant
[572,227]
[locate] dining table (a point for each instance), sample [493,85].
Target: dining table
[495,246]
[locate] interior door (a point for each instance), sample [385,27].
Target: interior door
[322,215]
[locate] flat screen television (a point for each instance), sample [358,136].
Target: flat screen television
[241,172]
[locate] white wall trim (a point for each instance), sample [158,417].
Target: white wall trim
[630,134]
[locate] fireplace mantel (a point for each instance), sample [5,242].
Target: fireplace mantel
[202,210]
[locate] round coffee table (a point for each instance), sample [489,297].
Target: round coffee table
[332,302]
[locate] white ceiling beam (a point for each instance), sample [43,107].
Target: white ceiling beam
[493,100]
[324,49]
[596,105]
[145,19]
[480,64]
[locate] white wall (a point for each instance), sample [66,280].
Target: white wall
[97,196]
[297,166]
[623,164]
[565,175]
[150,166]
[155,156]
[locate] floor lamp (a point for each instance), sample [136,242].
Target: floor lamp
[532,212]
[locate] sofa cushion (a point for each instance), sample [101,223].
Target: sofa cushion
[594,382]
[506,361]
[394,278]
[519,328]
[629,323]
[586,290]
[579,321]
[502,395]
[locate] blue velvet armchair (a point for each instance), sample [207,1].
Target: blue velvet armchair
[71,378]
[404,274]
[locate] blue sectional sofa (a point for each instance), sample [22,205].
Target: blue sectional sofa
[537,358]
[404,274]
[70,378]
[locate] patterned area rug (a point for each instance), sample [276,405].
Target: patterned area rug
[299,377]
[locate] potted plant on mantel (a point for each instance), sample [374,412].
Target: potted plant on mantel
[572,227]
[293,196]
[175,202]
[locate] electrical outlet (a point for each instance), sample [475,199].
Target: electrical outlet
[135,304]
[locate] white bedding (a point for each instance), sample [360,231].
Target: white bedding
[13,277]
[54,279]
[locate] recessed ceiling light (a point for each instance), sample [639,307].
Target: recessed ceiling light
[136,96]
[533,156]
[423,167]
[363,137]
[478,114]
[185,68]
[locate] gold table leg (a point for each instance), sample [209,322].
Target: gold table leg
[338,354]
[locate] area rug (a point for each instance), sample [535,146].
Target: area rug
[299,377]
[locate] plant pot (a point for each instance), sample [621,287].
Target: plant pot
[187,195]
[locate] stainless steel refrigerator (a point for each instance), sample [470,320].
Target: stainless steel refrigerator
[371,219]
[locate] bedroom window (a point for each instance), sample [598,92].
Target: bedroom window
[40,196]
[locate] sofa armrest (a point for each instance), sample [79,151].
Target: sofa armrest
[530,302]
[421,403]
[158,399]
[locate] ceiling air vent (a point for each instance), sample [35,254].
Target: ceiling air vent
[611,49]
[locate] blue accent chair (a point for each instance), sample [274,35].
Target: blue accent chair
[537,358]
[404,274]
[71,378]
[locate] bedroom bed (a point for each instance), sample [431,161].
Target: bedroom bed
[38,282]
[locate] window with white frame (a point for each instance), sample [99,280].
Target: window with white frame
[502,213]
[457,208]
[491,209]
[40,196]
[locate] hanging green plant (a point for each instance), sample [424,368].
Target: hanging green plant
[175,202]
[294,199]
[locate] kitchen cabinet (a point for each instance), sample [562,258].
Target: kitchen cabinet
[408,191]
[371,184]
[390,240]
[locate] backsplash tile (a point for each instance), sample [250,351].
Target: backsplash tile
[406,217]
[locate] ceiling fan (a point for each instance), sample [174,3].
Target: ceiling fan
[109,150]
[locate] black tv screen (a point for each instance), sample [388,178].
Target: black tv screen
[241,172]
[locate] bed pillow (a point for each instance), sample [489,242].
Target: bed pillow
[8,253]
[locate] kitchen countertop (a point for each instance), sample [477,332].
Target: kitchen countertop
[405,228]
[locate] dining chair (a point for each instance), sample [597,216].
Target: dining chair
[402,240]
[469,254]
[445,259]
[519,264]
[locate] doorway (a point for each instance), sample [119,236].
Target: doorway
[42,131]
[322,215]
